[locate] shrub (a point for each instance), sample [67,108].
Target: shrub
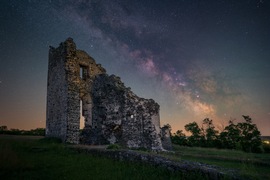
[266,147]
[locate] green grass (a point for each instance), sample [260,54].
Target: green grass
[248,165]
[27,158]
[41,158]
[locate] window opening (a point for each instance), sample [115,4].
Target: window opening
[83,72]
[82,119]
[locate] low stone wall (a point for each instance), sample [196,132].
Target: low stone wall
[211,172]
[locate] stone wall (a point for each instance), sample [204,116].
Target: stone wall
[56,95]
[112,112]
[166,138]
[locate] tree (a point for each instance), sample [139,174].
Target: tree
[244,136]
[179,138]
[210,133]
[196,138]
[250,136]
[169,127]
[230,136]
[3,129]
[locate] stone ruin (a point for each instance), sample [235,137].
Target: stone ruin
[112,112]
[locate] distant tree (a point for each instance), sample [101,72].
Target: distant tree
[196,138]
[250,136]
[14,132]
[180,133]
[230,136]
[3,129]
[32,132]
[210,133]
[38,132]
[179,138]
[243,136]
[168,126]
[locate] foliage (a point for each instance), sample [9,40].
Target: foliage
[167,126]
[210,133]
[250,136]
[242,136]
[179,138]
[32,132]
[196,138]
[266,147]
[3,128]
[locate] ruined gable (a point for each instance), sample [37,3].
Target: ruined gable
[112,112]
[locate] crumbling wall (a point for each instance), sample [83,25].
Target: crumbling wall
[112,112]
[166,138]
[119,116]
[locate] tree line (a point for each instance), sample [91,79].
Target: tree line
[32,132]
[241,136]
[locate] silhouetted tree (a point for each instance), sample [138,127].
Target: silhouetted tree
[230,136]
[179,138]
[250,136]
[169,127]
[210,133]
[243,136]
[3,129]
[196,138]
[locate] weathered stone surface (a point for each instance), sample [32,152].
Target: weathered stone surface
[112,112]
[166,138]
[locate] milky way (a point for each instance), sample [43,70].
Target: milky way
[197,59]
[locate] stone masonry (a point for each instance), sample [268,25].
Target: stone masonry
[112,112]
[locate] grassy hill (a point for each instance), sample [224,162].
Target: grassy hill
[26,157]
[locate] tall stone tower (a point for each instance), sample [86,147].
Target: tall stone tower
[112,112]
[70,77]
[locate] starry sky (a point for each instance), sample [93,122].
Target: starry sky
[196,58]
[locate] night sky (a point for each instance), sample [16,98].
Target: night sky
[196,58]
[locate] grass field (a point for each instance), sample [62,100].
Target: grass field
[37,158]
[33,158]
[248,165]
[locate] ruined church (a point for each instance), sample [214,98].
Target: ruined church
[112,112]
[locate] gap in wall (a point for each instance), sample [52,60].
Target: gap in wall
[81,72]
[82,120]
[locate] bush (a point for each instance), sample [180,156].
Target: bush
[266,147]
